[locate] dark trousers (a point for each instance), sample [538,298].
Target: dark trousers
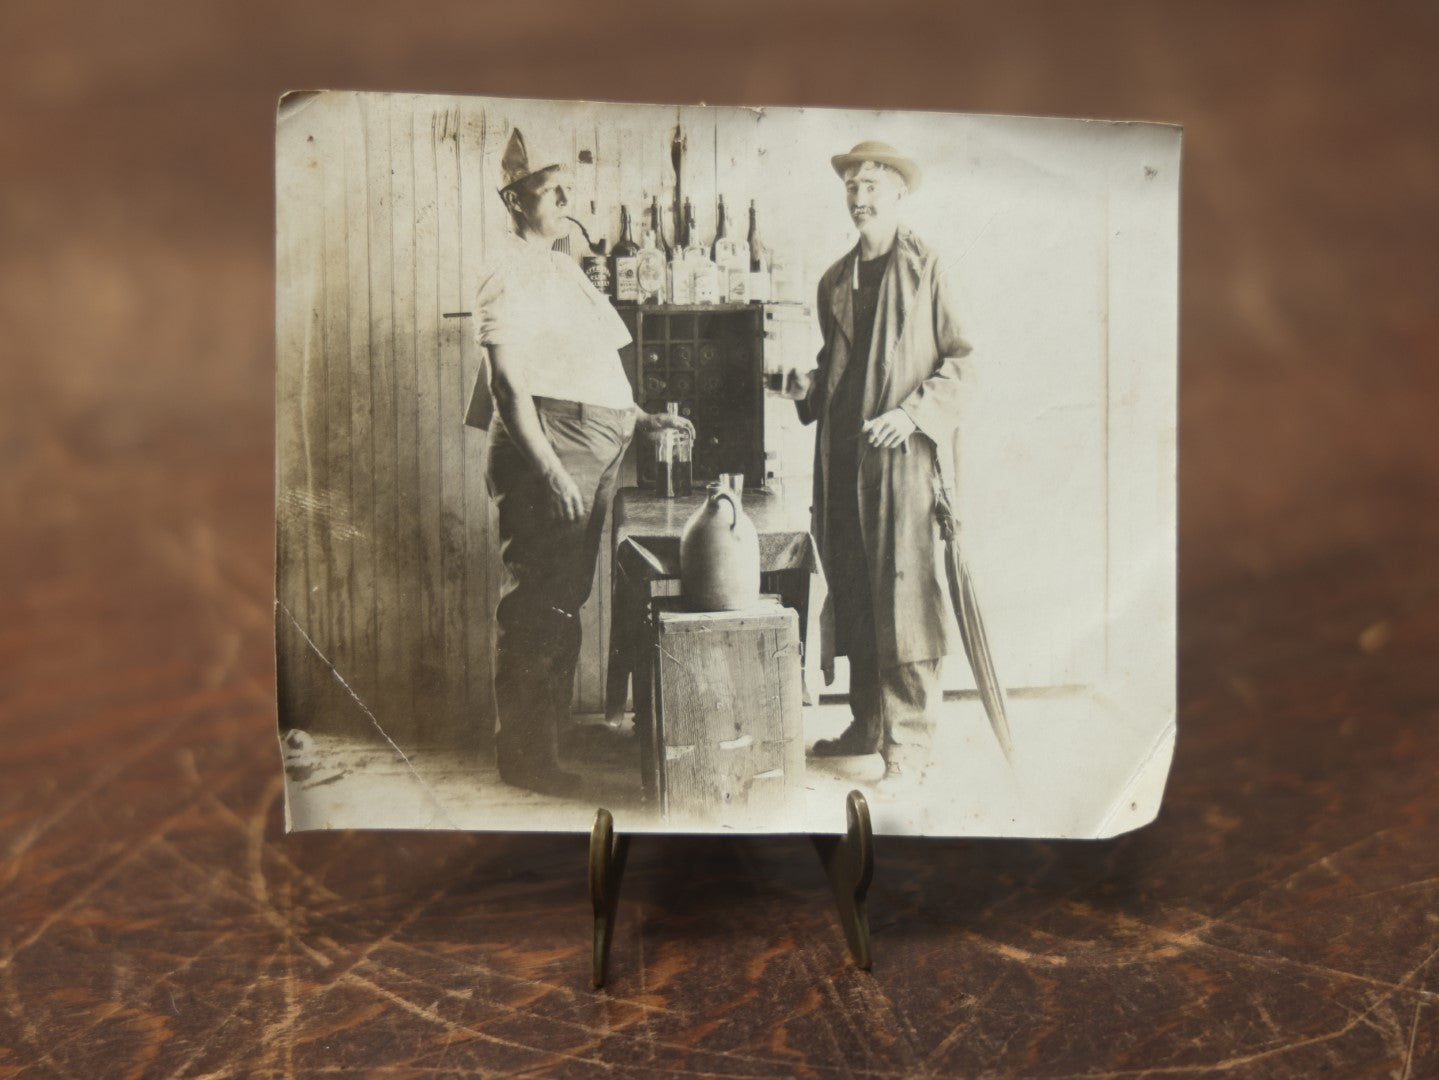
[549,569]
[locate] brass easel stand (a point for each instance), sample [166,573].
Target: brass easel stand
[608,853]
[848,861]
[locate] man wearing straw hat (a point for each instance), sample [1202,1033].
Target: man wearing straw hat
[886,396]
[561,414]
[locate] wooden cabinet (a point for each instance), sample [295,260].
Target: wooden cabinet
[710,359]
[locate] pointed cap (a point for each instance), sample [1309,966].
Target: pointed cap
[516,165]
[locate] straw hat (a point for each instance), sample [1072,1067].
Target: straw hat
[881,154]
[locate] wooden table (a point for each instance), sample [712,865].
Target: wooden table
[646,534]
[1281,919]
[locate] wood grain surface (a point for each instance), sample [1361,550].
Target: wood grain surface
[1279,919]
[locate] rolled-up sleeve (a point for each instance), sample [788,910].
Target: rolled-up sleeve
[612,327]
[494,324]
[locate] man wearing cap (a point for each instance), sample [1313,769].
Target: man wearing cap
[886,396]
[561,414]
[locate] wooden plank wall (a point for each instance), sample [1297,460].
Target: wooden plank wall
[386,552]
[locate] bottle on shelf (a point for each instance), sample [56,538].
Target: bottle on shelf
[681,277]
[737,274]
[703,273]
[731,258]
[759,260]
[596,265]
[594,262]
[651,265]
[684,224]
[682,271]
[625,264]
[783,288]
[657,228]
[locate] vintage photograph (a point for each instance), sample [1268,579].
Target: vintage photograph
[705,464]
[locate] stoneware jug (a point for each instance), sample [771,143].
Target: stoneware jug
[719,554]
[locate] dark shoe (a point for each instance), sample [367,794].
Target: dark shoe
[557,782]
[547,779]
[852,742]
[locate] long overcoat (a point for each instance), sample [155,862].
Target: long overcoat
[916,365]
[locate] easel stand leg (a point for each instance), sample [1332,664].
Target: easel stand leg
[607,867]
[849,862]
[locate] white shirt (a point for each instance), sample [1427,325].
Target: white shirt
[562,333]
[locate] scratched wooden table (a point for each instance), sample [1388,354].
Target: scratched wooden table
[1280,919]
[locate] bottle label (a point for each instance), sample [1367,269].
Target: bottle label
[651,274]
[737,284]
[706,283]
[681,283]
[597,269]
[627,279]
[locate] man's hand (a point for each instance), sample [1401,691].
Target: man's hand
[890,430]
[566,502]
[653,423]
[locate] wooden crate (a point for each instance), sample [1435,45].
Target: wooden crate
[723,738]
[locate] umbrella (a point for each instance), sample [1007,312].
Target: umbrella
[971,623]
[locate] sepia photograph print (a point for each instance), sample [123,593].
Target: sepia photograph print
[706,464]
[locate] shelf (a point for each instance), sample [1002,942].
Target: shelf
[703,309]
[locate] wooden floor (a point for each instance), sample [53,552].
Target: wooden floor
[371,783]
[336,782]
[1281,919]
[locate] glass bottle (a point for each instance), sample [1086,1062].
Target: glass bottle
[626,263]
[682,283]
[674,474]
[731,259]
[759,283]
[596,265]
[650,269]
[702,269]
[783,287]
[657,228]
[684,452]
